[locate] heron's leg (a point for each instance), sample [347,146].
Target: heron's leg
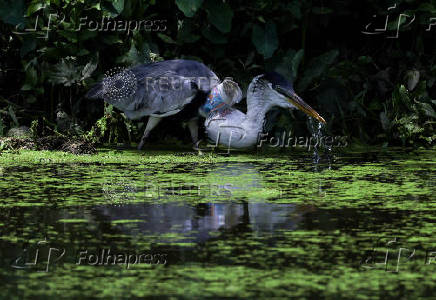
[193,128]
[152,122]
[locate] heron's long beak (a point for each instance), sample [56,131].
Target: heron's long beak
[295,100]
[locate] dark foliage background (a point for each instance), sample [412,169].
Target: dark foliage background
[371,88]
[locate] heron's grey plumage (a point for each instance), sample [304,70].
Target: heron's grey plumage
[162,88]
[228,126]
[162,95]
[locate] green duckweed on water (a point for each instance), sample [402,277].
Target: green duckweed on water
[244,225]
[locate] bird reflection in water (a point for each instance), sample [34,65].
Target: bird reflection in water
[227,212]
[200,222]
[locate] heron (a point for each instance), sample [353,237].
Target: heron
[225,125]
[163,89]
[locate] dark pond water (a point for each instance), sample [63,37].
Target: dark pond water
[359,225]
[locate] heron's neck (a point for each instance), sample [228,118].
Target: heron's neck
[256,110]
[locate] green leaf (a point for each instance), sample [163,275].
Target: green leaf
[89,69]
[130,9]
[31,79]
[412,77]
[131,57]
[29,44]
[135,56]
[286,65]
[13,116]
[426,7]
[295,9]
[83,52]
[427,109]
[12,11]
[167,39]
[213,35]
[186,33]
[316,67]
[265,39]
[219,14]
[364,59]
[354,106]
[71,36]
[296,60]
[66,73]
[386,124]
[321,10]
[87,34]
[33,7]
[397,24]
[51,53]
[96,6]
[118,5]
[400,97]
[31,99]
[189,7]
[109,9]
[111,39]
[2,128]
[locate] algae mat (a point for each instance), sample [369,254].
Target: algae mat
[123,224]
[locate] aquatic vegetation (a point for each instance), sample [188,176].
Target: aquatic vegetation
[244,225]
[130,177]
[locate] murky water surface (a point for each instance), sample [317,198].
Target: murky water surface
[360,225]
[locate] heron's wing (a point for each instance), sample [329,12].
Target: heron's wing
[198,72]
[163,93]
[161,88]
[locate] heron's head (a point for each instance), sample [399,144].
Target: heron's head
[278,91]
[229,91]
